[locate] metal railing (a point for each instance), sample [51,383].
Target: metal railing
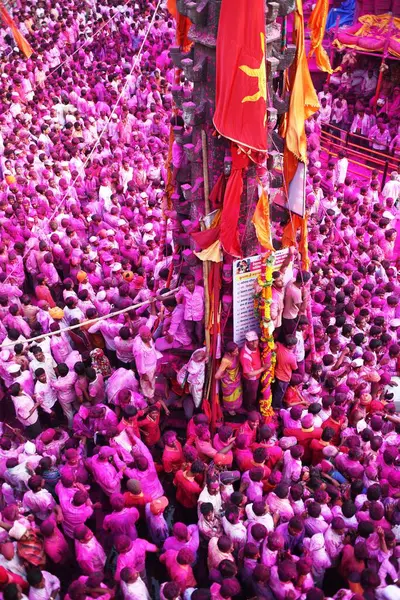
[359,154]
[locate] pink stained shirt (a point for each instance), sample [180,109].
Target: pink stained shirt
[60,347]
[65,387]
[182,575]
[146,356]
[41,503]
[135,557]
[75,515]
[122,522]
[56,547]
[90,556]
[106,475]
[193,303]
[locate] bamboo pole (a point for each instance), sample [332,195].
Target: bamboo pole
[205,263]
[91,321]
[209,387]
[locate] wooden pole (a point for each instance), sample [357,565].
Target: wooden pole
[205,263]
[383,63]
[210,390]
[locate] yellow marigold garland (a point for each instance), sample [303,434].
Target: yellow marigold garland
[262,305]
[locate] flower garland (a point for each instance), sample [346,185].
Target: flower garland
[262,305]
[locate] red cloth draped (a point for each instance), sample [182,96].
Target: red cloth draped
[218,192]
[231,209]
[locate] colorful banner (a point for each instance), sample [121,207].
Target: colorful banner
[241,86]
[372,33]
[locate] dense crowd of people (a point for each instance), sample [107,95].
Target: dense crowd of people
[113,482]
[350,107]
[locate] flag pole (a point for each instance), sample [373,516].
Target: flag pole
[383,63]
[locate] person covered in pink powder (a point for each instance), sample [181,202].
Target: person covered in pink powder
[89,553]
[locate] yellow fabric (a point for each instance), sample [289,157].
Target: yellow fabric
[317,25]
[261,222]
[303,246]
[382,30]
[303,102]
[212,253]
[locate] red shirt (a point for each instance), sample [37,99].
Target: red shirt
[285,363]
[336,426]
[150,430]
[187,492]
[305,437]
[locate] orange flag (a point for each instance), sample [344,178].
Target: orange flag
[261,222]
[290,231]
[317,25]
[303,246]
[303,102]
[241,85]
[183,25]
[21,42]
[290,234]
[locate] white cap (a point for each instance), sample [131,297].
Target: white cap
[110,232]
[29,448]
[17,531]
[102,295]
[358,362]
[395,323]
[93,239]
[148,227]
[14,368]
[251,336]
[116,267]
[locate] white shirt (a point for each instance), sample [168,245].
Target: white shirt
[134,591]
[51,585]
[300,350]
[45,395]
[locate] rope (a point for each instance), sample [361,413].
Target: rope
[92,321]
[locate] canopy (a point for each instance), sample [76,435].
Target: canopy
[371,33]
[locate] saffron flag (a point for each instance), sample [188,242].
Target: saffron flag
[183,25]
[241,86]
[303,102]
[261,222]
[21,42]
[317,24]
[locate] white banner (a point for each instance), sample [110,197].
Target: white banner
[245,275]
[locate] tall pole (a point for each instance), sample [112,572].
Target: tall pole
[383,63]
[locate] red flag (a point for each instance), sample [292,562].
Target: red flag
[21,42]
[241,86]
[230,212]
